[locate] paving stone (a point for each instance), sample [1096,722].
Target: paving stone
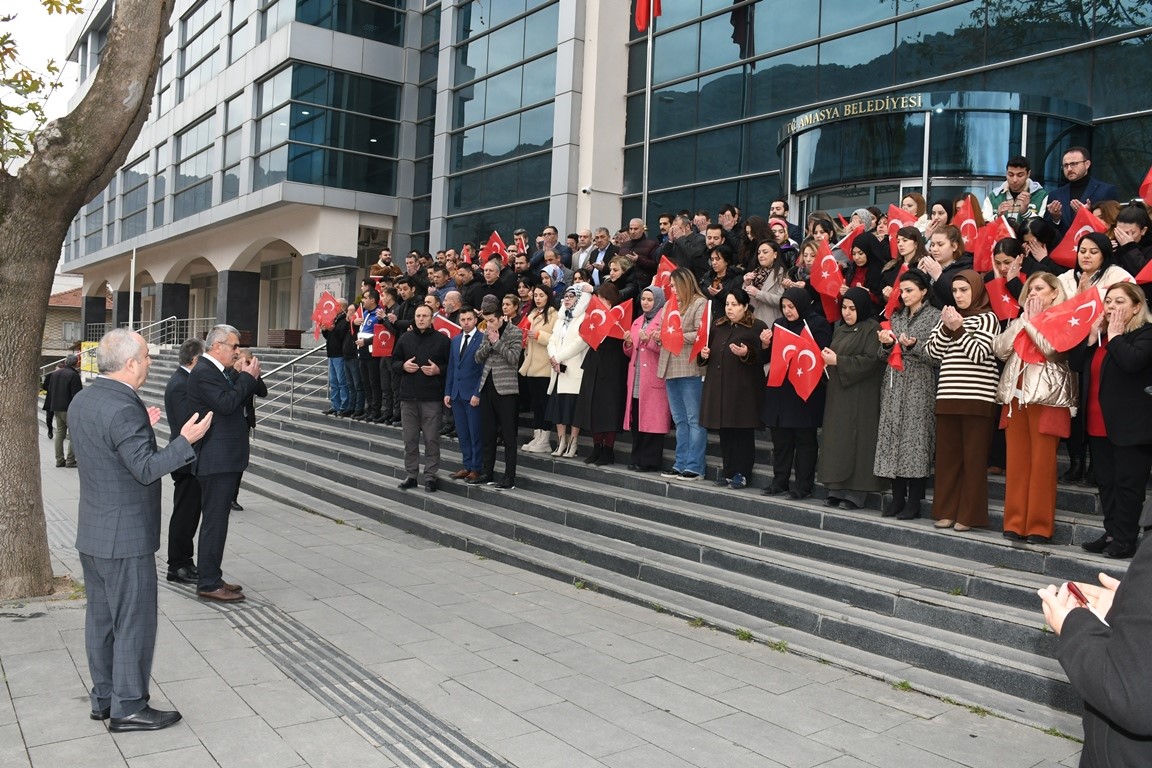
[247,742]
[367,647]
[211,633]
[467,635]
[543,750]
[595,696]
[40,672]
[243,666]
[508,690]
[766,676]
[593,663]
[792,715]
[883,693]
[677,700]
[27,631]
[880,749]
[534,637]
[13,754]
[206,700]
[772,741]
[332,743]
[479,717]
[616,646]
[283,703]
[51,717]
[582,729]
[694,744]
[91,750]
[688,675]
[983,742]
[838,703]
[646,756]
[448,657]
[687,648]
[526,663]
[324,618]
[176,737]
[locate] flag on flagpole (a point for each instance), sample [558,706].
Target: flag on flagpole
[965,221]
[703,332]
[664,272]
[826,276]
[383,340]
[897,218]
[672,327]
[1064,254]
[845,245]
[494,247]
[645,11]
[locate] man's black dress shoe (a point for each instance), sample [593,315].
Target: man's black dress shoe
[483,479]
[1096,546]
[236,506]
[147,719]
[101,714]
[1119,550]
[432,485]
[408,482]
[186,574]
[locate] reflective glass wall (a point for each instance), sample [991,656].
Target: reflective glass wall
[727,75]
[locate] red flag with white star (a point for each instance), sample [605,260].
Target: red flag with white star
[826,276]
[325,312]
[1064,254]
[896,356]
[446,326]
[494,247]
[784,346]
[1069,322]
[897,219]
[807,366]
[704,331]
[672,327]
[1003,303]
[595,325]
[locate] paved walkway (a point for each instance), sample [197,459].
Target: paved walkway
[363,646]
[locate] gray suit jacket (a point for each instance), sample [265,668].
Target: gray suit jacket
[502,360]
[120,469]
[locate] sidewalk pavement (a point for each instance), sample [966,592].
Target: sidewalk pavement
[360,645]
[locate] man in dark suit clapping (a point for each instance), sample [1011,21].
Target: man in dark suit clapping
[186,489]
[118,527]
[223,454]
[462,382]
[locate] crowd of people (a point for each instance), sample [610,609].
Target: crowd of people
[932,369]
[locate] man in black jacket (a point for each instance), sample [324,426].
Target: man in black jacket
[335,334]
[421,357]
[185,488]
[63,385]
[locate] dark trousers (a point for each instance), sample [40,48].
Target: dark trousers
[355,384]
[537,389]
[216,494]
[389,396]
[647,447]
[498,417]
[185,519]
[120,630]
[737,451]
[393,385]
[794,448]
[1122,476]
[370,374]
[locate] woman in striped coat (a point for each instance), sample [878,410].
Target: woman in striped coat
[965,404]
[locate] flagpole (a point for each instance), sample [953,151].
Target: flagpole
[647,113]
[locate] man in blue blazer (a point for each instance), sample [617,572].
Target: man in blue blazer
[118,527]
[223,454]
[1081,190]
[463,381]
[185,489]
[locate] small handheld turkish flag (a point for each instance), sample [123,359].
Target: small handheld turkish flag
[1145,275]
[784,346]
[704,331]
[807,366]
[826,275]
[1003,304]
[1146,188]
[672,328]
[383,340]
[594,326]
[896,356]
[446,326]
[620,319]
[894,302]
[1069,322]
[1026,349]
[897,218]
[1064,254]
[325,311]
[845,245]
[525,325]
[494,247]
[965,221]
[664,272]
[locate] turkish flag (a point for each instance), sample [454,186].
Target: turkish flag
[466,253]
[894,302]
[990,234]
[1003,303]
[446,326]
[383,340]
[965,221]
[704,331]
[594,327]
[843,223]
[325,312]
[896,356]
[525,325]
[897,218]
[620,319]
[521,243]
[1146,188]
[1026,349]
[1145,275]
[845,245]
[494,247]
[672,328]
[784,346]
[1068,323]
[806,368]
[831,307]
[646,9]
[826,276]
[1064,254]
[664,272]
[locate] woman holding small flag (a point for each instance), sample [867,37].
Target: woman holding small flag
[1038,391]
[906,436]
[794,399]
[851,416]
[600,404]
[678,337]
[910,249]
[646,398]
[734,387]
[965,403]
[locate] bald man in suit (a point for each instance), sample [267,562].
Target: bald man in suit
[118,527]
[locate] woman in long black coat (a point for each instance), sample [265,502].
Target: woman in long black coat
[792,419]
[734,386]
[600,404]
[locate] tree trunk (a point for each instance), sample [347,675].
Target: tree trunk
[75,158]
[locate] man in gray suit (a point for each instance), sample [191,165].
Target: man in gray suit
[223,455]
[118,528]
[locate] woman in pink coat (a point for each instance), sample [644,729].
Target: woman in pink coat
[646,406]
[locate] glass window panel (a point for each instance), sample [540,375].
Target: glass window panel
[430,27]
[540,30]
[471,60]
[1118,86]
[860,62]
[758,192]
[884,145]
[712,196]
[971,143]
[672,163]
[675,54]
[464,192]
[722,97]
[1118,16]
[1018,28]
[230,188]
[232,148]
[1073,72]
[501,137]
[469,104]
[233,113]
[672,13]
[241,42]
[422,178]
[535,176]
[760,149]
[783,81]
[717,44]
[1048,137]
[817,157]
[633,170]
[781,23]
[273,129]
[425,101]
[1122,153]
[717,152]
[637,65]
[674,108]
[839,15]
[422,215]
[241,10]
[274,92]
[504,91]
[506,46]
[536,128]
[134,225]
[373,22]
[498,13]
[541,84]
[634,120]
[940,42]
[468,149]
[429,63]
[425,135]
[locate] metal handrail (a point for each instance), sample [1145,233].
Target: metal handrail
[169,319]
[91,351]
[263,406]
[296,359]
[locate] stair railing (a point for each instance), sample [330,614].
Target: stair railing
[311,376]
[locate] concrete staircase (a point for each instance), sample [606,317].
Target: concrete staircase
[953,614]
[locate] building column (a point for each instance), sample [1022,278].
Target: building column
[93,311]
[238,302]
[120,305]
[325,272]
[171,300]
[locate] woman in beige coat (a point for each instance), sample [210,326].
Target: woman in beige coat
[566,350]
[536,369]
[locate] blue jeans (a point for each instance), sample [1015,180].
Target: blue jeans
[338,385]
[355,385]
[691,439]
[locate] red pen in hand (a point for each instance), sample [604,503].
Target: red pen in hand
[1076,593]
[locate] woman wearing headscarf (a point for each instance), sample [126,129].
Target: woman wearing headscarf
[536,369]
[600,405]
[1037,399]
[907,437]
[965,404]
[553,277]
[682,380]
[865,267]
[646,403]
[851,411]
[734,387]
[566,350]
[792,419]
